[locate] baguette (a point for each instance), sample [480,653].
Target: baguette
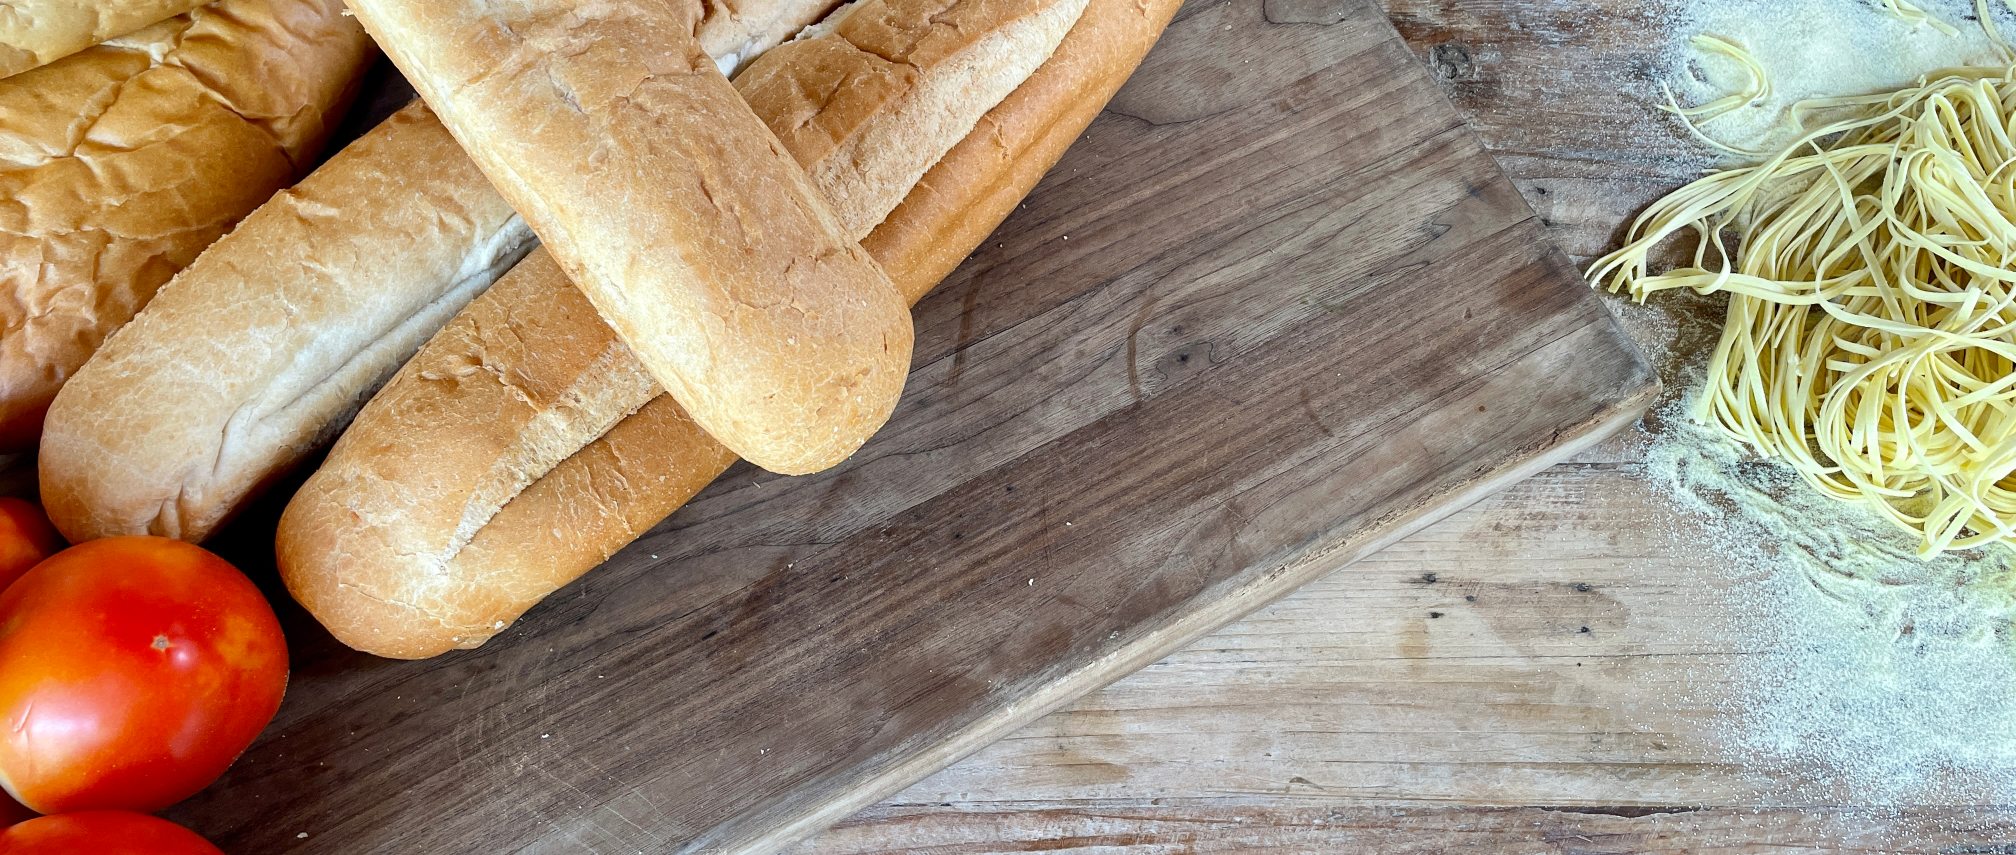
[34,33]
[186,127]
[259,351]
[610,492]
[533,364]
[672,206]
[264,348]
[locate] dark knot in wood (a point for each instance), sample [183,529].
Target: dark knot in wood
[1451,61]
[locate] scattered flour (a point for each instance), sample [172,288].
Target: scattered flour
[1815,48]
[1874,677]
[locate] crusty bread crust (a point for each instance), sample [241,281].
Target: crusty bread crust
[262,349]
[610,492]
[34,33]
[696,236]
[734,34]
[853,101]
[187,126]
[981,180]
[557,377]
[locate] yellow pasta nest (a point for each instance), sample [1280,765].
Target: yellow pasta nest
[1871,329]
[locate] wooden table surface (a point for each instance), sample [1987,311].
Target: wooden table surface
[1505,681]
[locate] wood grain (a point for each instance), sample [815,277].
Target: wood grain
[1348,716]
[1274,310]
[1377,709]
[1280,826]
[1563,94]
[1528,650]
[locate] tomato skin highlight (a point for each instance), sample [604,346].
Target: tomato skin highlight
[102,833]
[133,671]
[26,537]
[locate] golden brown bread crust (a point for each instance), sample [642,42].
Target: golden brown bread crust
[555,377]
[481,383]
[373,543]
[981,180]
[250,358]
[187,126]
[736,33]
[828,96]
[609,493]
[34,33]
[671,205]
[262,349]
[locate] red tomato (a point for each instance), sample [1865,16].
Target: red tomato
[133,670]
[105,832]
[26,537]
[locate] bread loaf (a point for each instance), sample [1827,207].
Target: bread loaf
[734,34]
[263,348]
[983,178]
[609,493]
[877,93]
[532,363]
[34,33]
[259,351]
[122,162]
[672,207]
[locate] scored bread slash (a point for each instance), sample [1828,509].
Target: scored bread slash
[667,201]
[854,96]
[398,570]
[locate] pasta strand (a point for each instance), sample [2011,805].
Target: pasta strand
[1870,338]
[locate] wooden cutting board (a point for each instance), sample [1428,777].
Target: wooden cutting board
[1274,310]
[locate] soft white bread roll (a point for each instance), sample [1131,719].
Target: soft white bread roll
[607,494]
[263,348]
[673,207]
[260,351]
[539,376]
[34,33]
[121,163]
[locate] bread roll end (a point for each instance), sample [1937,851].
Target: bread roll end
[369,596]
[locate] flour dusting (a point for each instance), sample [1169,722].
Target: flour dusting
[1872,676]
[1815,48]
[1867,674]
